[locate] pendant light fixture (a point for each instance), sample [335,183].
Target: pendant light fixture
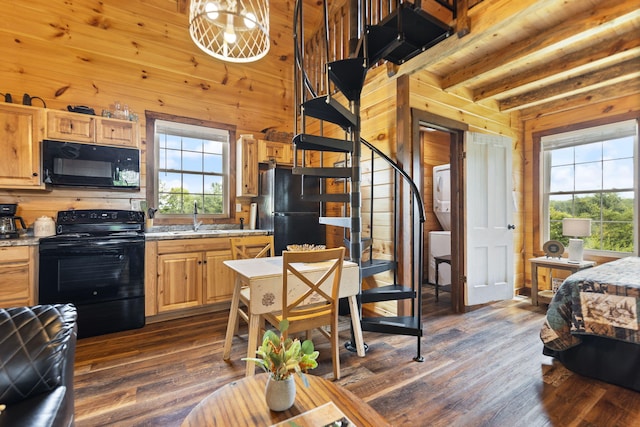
[231,30]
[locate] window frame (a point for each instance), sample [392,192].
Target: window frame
[152,168]
[539,204]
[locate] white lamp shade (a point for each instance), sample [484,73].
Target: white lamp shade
[576,227]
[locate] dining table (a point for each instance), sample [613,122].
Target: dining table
[263,277]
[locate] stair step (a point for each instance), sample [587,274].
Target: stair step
[387,293]
[365,243]
[323,172]
[375,266]
[336,221]
[399,325]
[328,109]
[405,33]
[322,143]
[328,197]
[348,75]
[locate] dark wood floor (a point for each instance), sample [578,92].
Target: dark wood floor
[482,368]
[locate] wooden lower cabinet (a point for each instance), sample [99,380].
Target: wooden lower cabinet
[179,281]
[218,280]
[17,275]
[187,273]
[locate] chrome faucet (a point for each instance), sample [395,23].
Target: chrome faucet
[196,223]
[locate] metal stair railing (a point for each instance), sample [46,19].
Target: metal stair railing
[304,94]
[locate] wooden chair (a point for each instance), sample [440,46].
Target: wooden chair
[310,300]
[244,248]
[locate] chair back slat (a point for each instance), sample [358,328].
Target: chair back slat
[315,300]
[251,247]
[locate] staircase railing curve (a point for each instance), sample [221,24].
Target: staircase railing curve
[308,102]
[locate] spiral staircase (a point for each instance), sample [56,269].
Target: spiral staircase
[402,35]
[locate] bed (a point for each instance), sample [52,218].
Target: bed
[592,323]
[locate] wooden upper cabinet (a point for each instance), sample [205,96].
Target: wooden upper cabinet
[67,126]
[279,152]
[117,132]
[21,131]
[247,166]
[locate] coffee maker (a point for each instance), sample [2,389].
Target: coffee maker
[9,221]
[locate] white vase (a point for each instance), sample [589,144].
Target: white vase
[281,394]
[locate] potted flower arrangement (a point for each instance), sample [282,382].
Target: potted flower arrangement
[281,357]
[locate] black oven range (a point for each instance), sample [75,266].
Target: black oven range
[96,261]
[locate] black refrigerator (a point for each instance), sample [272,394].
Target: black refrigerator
[282,211]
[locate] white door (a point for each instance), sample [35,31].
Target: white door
[488,219]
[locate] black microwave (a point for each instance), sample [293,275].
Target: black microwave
[75,164]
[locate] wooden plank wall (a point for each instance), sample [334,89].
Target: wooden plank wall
[621,107]
[139,53]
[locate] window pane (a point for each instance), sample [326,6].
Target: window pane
[191,162]
[193,183]
[212,163]
[192,144]
[617,237]
[561,178]
[589,152]
[562,156]
[617,207]
[618,148]
[586,206]
[618,174]
[213,204]
[588,176]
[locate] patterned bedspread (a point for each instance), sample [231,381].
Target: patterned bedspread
[604,300]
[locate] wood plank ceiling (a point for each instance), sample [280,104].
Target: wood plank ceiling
[530,56]
[551,55]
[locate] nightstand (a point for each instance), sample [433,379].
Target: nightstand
[551,264]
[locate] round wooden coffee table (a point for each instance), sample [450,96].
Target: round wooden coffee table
[242,403]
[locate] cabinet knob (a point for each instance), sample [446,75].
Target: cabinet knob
[34,174]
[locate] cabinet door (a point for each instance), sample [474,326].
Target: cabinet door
[247,167]
[117,132]
[21,130]
[219,281]
[71,126]
[179,281]
[279,152]
[16,277]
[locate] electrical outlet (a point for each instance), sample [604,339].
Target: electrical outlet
[238,207]
[135,205]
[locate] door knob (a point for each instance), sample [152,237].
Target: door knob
[511,227]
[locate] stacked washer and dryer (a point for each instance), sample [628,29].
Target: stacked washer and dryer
[440,241]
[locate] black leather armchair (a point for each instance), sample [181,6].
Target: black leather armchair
[37,350]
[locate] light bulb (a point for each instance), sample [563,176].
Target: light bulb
[211,9]
[249,20]
[229,32]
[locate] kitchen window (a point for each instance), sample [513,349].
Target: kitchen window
[593,173]
[191,160]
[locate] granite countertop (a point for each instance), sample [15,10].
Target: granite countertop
[156,233]
[23,240]
[170,233]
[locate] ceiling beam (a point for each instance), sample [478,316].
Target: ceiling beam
[609,14]
[623,46]
[589,81]
[483,28]
[576,101]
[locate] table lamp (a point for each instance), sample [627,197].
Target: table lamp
[576,227]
